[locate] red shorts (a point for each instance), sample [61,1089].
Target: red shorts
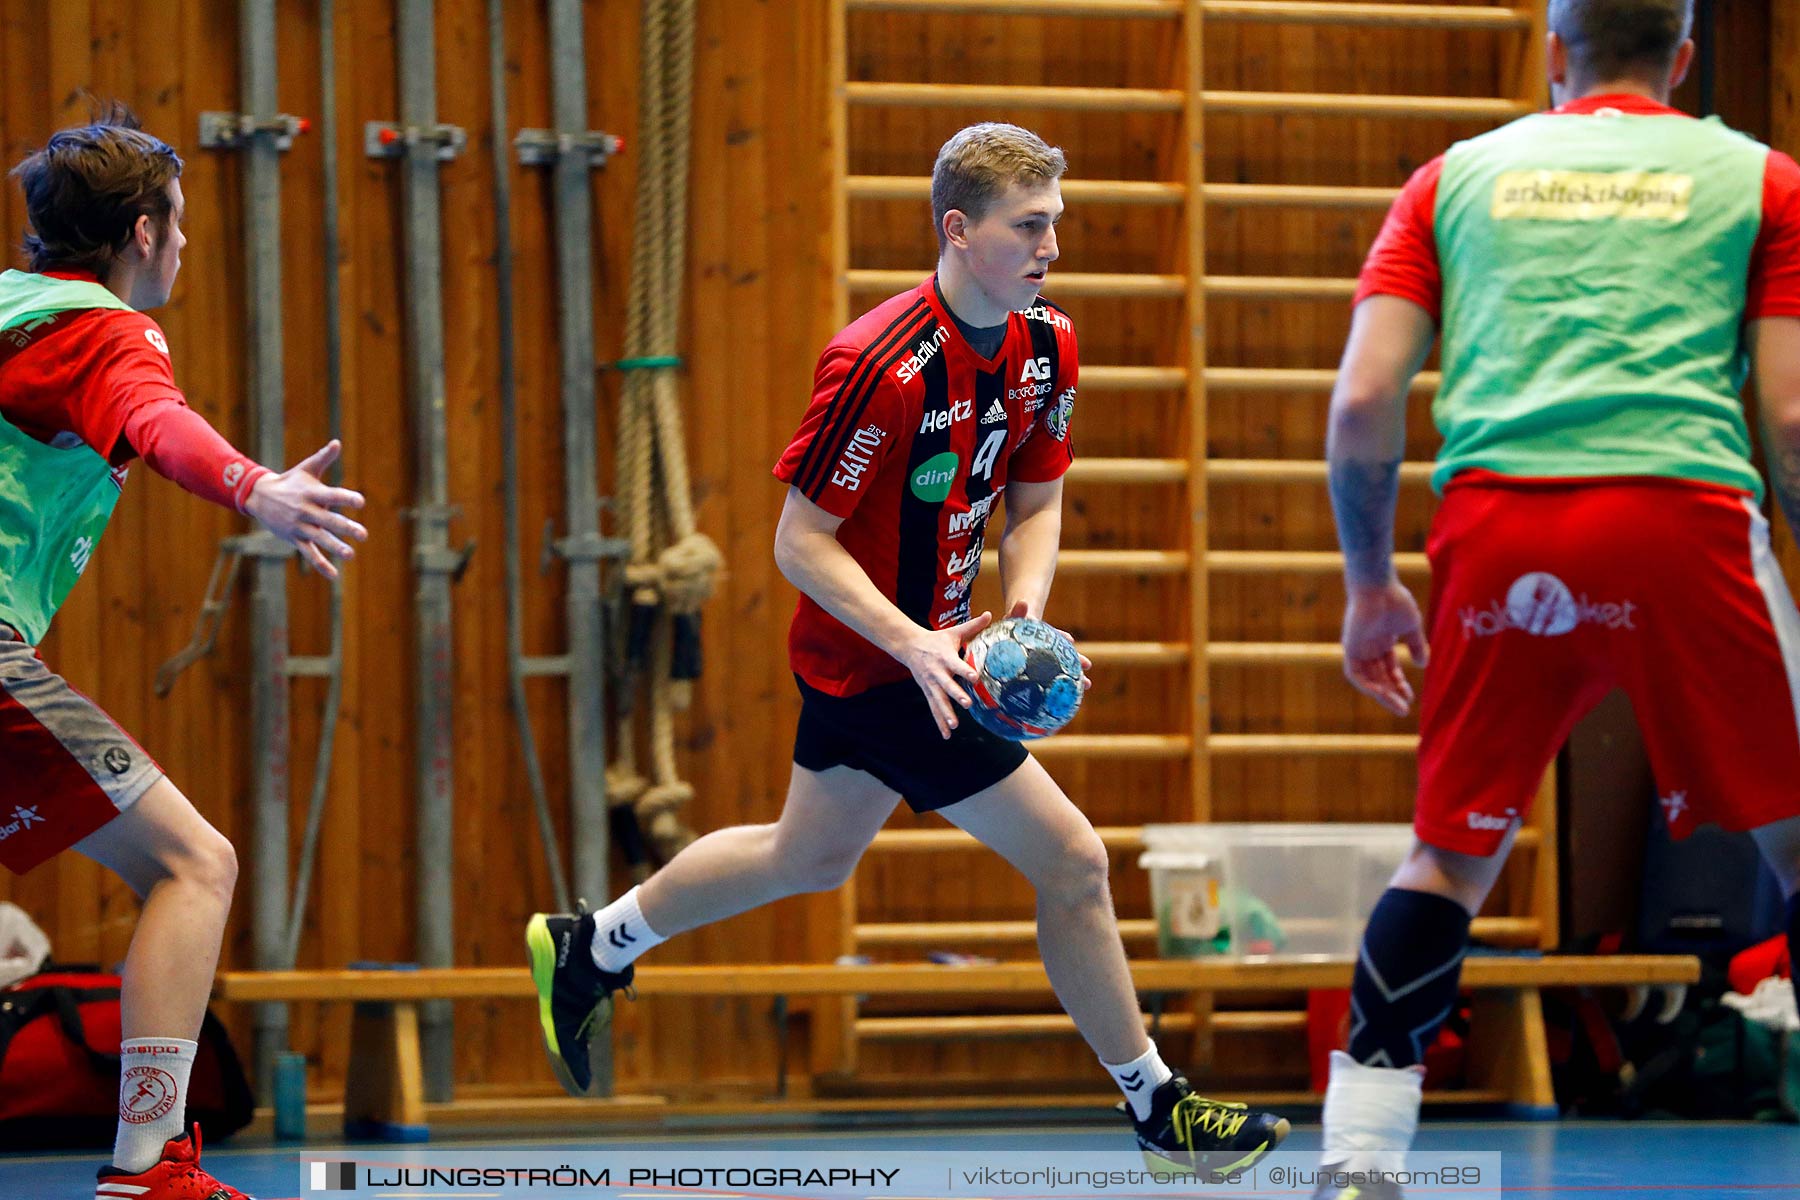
[1548,595]
[66,768]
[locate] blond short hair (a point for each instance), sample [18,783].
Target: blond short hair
[979,162]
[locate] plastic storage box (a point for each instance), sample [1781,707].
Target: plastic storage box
[1262,891]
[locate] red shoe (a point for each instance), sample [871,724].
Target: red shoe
[176,1176]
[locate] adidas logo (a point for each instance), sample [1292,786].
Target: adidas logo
[995,415]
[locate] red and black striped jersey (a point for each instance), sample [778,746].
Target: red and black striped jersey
[912,437]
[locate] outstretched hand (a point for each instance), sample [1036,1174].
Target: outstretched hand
[937,664]
[1378,620]
[300,508]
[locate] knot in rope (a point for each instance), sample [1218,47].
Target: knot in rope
[665,799]
[689,569]
[659,816]
[624,786]
[645,583]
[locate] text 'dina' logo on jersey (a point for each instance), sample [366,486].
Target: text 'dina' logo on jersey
[932,478]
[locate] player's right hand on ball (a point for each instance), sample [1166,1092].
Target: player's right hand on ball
[300,508]
[1377,621]
[936,661]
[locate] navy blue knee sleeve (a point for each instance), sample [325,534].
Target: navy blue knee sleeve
[1406,976]
[1794,936]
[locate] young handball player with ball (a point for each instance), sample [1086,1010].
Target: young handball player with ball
[925,410]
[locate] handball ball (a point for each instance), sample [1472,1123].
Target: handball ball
[1028,678]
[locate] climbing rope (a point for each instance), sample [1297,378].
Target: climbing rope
[673,567]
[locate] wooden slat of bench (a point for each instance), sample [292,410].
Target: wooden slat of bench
[1037,1025]
[800,979]
[539,1110]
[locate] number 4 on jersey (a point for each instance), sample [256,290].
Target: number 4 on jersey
[983,466]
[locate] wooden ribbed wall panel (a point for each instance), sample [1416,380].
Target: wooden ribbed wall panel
[759,308]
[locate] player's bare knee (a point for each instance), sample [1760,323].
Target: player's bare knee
[209,862]
[822,870]
[1079,875]
[1465,878]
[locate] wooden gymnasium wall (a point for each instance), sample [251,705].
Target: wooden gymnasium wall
[759,306]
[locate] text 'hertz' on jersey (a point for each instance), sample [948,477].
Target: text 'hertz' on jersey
[912,437]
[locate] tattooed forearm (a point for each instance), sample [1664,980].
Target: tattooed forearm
[1363,495]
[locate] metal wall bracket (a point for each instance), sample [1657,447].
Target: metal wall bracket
[444,560]
[233,131]
[591,547]
[260,544]
[543,147]
[384,139]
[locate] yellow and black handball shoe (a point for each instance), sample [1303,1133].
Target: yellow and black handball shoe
[1187,1134]
[574,995]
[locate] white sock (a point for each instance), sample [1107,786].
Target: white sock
[1371,1114]
[153,1084]
[621,934]
[1140,1077]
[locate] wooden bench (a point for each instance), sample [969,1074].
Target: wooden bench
[384,1095]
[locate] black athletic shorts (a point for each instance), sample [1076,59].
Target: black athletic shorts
[889,732]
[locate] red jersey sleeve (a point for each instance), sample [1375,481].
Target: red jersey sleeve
[129,405]
[1049,445]
[848,431]
[180,444]
[1403,261]
[1774,289]
[125,365]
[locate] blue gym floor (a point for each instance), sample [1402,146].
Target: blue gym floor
[1599,1160]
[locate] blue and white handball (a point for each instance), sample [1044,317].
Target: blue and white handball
[1028,678]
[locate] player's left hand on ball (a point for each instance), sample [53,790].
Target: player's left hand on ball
[300,508]
[1377,620]
[935,658]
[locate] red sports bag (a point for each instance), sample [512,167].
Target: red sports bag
[59,1065]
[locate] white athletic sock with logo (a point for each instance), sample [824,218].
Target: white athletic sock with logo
[1139,1078]
[153,1085]
[621,934]
[1371,1115]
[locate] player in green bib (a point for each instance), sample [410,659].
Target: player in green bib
[1601,279]
[85,388]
